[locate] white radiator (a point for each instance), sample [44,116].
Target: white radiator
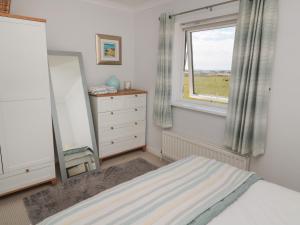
[175,147]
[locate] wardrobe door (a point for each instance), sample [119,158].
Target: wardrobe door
[1,166]
[1,141]
[27,134]
[23,60]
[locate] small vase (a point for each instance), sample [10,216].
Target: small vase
[127,85]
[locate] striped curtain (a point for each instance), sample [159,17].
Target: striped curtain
[246,124]
[162,113]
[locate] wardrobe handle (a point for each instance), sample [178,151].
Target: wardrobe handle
[112,142]
[135,136]
[136,110]
[112,128]
[136,123]
[111,97]
[111,113]
[27,170]
[136,96]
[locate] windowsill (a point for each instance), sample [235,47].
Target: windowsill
[211,109]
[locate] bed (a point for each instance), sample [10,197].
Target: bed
[194,191]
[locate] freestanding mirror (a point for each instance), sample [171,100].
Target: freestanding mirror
[72,118]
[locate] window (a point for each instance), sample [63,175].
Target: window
[207,61]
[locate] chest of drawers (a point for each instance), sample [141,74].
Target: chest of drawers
[120,121]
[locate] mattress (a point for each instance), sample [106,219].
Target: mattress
[263,204]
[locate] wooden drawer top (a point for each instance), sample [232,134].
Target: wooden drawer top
[120,93]
[22,17]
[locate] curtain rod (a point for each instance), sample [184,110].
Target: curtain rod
[202,8]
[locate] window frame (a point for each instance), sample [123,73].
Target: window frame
[179,58]
[189,43]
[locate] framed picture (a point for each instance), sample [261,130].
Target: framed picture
[108,49]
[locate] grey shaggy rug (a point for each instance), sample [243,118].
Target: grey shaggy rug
[57,198]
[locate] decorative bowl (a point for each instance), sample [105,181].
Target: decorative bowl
[114,82]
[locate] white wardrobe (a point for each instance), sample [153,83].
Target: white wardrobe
[26,139]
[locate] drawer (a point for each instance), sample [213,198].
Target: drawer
[135,101]
[106,119]
[27,169]
[106,104]
[25,178]
[122,144]
[119,130]
[113,103]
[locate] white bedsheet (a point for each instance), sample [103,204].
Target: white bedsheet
[263,204]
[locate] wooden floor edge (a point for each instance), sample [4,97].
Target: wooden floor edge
[53,181]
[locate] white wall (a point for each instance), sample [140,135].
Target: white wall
[72,26]
[281,163]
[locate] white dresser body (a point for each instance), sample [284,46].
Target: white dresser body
[120,122]
[26,139]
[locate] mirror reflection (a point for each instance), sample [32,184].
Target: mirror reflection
[73,134]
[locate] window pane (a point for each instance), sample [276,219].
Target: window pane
[212,56]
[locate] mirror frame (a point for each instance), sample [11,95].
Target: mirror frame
[58,141]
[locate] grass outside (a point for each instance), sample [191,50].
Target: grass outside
[211,85]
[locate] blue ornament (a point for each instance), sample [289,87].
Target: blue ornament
[114,82]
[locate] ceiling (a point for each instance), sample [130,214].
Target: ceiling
[134,3]
[129,4]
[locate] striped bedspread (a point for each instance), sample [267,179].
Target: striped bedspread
[175,194]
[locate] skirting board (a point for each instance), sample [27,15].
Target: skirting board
[53,181]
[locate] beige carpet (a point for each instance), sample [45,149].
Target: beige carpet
[12,209]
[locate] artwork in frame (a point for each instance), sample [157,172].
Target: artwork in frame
[109,49]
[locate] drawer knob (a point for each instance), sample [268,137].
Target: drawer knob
[135,136]
[27,170]
[111,113]
[136,123]
[112,128]
[136,110]
[136,96]
[111,97]
[112,142]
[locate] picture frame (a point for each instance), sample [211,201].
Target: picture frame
[108,49]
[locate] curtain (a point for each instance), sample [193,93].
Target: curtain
[162,113]
[246,124]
